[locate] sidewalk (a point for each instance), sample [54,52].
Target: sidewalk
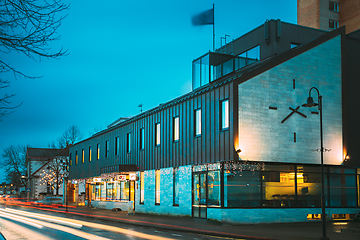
[349,230]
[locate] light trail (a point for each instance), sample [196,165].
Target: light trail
[92,225]
[39,216]
[20,219]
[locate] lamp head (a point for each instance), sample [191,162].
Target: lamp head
[310,102]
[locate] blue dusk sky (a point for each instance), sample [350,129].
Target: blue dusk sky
[121,54]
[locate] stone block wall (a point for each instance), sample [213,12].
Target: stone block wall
[263,136]
[166,193]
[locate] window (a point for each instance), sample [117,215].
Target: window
[70,159]
[142,187]
[333,24]
[107,148]
[198,122]
[214,196]
[250,56]
[76,158]
[157,187]
[225,114]
[128,142]
[157,134]
[90,154]
[176,128]
[98,151]
[334,6]
[117,144]
[82,155]
[142,138]
[176,187]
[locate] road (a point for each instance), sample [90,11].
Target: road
[30,224]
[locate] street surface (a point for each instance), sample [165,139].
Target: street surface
[23,223]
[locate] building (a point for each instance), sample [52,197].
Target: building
[240,147]
[45,169]
[329,14]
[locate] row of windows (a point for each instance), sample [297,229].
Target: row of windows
[224,125]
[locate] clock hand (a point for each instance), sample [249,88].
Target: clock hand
[296,110]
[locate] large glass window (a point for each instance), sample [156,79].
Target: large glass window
[224,114]
[176,179]
[308,186]
[241,188]
[250,56]
[142,187]
[107,148]
[124,191]
[176,128]
[197,122]
[76,157]
[157,134]
[142,138]
[98,192]
[128,143]
[342,188]
[157,186]
[214,196]
[278,186]
[110,191]
[117,144]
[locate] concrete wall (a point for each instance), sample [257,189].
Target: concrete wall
[268,215]
[263,137]
[166,196]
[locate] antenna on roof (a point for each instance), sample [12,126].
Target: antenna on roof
[140,106]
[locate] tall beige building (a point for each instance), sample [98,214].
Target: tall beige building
[329,14]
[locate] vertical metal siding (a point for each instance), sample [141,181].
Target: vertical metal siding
[212,146]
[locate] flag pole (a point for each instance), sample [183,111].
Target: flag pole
[213,27]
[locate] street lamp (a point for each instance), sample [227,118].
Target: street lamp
[310,103]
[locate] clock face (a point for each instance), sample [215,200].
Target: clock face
[292,112]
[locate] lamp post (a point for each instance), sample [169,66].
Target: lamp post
[310,103]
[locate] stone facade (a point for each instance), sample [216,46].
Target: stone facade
[166,205]
[262,136]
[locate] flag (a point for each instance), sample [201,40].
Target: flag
[204,18]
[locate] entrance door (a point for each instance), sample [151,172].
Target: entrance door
[199,195]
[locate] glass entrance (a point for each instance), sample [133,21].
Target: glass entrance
[132,192]
[199,195]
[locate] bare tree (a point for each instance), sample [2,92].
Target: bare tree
[14,162]
[56,170]
[27,27]
[70,136]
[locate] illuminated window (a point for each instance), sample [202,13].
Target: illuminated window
[198,122]
[224,114]
[117,144]
[90,154]
[128,143]
[176,128]
[142,187]
[157,134]
[157,187]
[98,151]
[76,157]
[70,159]
[142,138]
[82,155]
[107,149]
